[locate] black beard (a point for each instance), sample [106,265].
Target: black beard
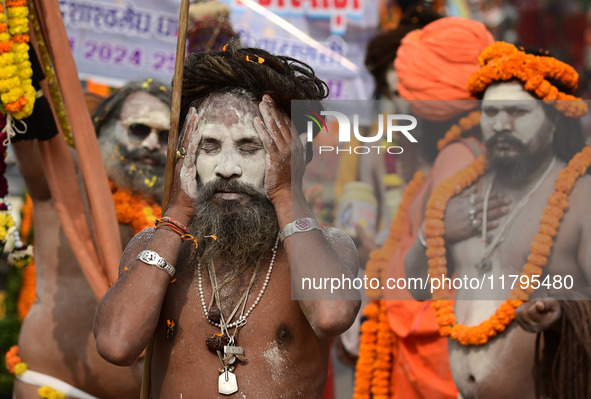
[512,168]
[245,233]
[147,179]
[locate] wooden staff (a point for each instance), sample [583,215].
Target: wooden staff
[177,84]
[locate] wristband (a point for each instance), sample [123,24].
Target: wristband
[152,258]
[421,238]
[299,226]
[173,224]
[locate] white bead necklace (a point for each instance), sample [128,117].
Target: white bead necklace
[241,321]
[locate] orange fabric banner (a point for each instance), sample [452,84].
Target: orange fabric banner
[98,262]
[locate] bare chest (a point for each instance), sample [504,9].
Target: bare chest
[490,262]
[276,345]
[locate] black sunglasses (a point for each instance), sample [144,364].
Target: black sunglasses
[139,132]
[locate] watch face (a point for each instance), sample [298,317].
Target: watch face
[150,257]
[303,224]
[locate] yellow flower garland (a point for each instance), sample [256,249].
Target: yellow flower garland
[540,248]
[16,87]
[47,392]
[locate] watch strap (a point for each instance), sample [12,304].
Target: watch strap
[299,226]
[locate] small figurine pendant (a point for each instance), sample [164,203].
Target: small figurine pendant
[227,384]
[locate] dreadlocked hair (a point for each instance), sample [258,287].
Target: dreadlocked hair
[562,368]
[255,72]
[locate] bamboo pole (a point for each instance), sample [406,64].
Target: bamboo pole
[177,83]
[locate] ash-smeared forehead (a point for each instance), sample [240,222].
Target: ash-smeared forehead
[144,108]
[228,108]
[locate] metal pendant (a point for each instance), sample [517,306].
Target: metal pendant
[227,384]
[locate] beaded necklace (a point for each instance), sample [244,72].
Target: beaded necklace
[223,343]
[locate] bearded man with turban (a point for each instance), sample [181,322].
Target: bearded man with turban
[433,66]
[536,157]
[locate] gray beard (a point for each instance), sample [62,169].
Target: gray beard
[145,179]
[245,233]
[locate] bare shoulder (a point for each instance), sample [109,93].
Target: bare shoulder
[579,197]
[343,246]
[135,246]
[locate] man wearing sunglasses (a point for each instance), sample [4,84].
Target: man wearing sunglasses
[132,127]
[56,339]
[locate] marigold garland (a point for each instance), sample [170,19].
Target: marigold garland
[379,259]
[465,124]
[16,87]
[134,209]
[503,61]
[367,351]
[540,248]
[12,359]
[380,382]
[26,295]
[372,371]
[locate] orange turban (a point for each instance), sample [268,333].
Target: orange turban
[435,63]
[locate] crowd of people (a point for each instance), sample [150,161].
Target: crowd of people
[209,301]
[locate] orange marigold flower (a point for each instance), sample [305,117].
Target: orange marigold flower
[369,326]
[371,310]
[435,252]
[540,249]
[5,47]
[437,262]
[543,239]
[547,230]
[435,242]
[12,359]
[24,38]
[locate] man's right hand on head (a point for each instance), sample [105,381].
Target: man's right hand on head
[184,185]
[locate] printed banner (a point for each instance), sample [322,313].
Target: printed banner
[114,41]
[118,41]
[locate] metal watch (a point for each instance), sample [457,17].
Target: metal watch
[299,226]
[152,258]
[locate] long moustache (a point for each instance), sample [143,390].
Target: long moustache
[234,186]
[158,157]
[492,141]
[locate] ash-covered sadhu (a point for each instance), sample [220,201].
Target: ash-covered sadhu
[213,283]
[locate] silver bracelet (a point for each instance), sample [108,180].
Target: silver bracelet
[421,238]
[152,258]
[299,226]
